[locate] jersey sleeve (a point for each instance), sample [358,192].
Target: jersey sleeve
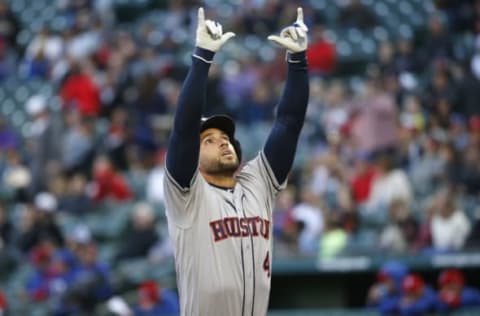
[257,176]
[182,203]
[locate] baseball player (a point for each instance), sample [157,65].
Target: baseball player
[220,216]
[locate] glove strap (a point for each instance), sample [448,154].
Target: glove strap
[295,58]
[204,55]
[202,59]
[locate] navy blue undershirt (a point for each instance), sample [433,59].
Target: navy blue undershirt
[281,144]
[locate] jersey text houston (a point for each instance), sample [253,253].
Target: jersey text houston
[240,227]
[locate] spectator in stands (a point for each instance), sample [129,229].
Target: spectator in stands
[76,200]
[384,295]
[453,293]
[43,142]
[258,107]
[334,239]
[391,183]
[7,251]
[355,14]
[450,227]
[238,81]
[40,224]
[400,233]
[16,177]
[362,178]
[374,118]
[77,146]
[427,169]
[8,138]
[468,174]
[308,214]
[417,297]
[469,84]
[438,43]
[38,283]
[458,130]
[47,44]
[405,59]
[117,138]
[38,67]
[327,174]
[473,241]
[108,183]
[80,92]
[412,116]
[321,53]
[7,63]
[3,304]
[335,108]
[6,229]
[90,281]
[9,25]
[284,227]
[60,283]
[76,238]
[155,301]
[154,186]
[385,57]
[140,234]
[215,98]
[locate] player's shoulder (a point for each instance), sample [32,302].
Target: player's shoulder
[169,182]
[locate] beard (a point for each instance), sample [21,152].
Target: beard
[221,167]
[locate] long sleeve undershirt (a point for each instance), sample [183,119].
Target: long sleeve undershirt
[184,143]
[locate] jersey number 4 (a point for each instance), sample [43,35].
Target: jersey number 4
[266,264]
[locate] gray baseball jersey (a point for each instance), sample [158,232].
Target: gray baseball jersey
[223,241]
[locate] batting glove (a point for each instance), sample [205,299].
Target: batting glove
[294,37]
[210,33]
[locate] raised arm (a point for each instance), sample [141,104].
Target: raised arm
[184,142]
[281,144]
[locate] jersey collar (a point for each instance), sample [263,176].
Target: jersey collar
[228,189]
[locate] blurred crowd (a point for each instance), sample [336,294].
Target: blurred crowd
[388,160]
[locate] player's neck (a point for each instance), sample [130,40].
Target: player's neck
[220,180]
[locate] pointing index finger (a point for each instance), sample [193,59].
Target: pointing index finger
[299,15]
[201,17]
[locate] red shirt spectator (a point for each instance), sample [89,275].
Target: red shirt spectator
[363,177]
[361,185]
[109,183]
[321,54]
[3,303]
[81,92]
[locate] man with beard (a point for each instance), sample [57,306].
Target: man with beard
[220,215]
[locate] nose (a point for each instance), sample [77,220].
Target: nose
[223,142]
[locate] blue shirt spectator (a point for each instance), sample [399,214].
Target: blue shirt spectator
[453,294]
[153,301]
[385,294]
[417,297]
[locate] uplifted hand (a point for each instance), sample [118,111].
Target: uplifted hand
[294,37]
[210,33]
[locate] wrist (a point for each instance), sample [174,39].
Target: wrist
[299,57]
[203,54]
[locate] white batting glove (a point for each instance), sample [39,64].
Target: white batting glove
[210,33]
[294,37]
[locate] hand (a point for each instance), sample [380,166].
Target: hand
[293,37]
[210,34]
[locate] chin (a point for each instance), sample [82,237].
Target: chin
[230,167]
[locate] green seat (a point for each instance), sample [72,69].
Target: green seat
[8,106]
[18,118]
